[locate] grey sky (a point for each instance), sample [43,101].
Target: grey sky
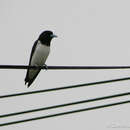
[90,32]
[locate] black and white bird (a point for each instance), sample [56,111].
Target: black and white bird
[39,54]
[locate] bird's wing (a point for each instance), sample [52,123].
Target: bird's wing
[32,52]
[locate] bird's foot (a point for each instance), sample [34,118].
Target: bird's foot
[46,67]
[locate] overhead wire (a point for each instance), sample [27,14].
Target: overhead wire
[61,67]
[64,113]
[63,88]
[64,105]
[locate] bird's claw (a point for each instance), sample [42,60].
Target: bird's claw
[46,67]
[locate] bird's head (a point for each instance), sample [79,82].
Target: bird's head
[46,37]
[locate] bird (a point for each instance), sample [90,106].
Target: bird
[39,54]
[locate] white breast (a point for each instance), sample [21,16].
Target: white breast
[40,55]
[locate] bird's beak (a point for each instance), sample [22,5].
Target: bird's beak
[53,35]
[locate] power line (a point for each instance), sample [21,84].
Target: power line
[61,67]
[63,88]
[64,113]
[66,104]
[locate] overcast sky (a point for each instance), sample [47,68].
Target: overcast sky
[90,32]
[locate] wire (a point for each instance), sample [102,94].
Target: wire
[63,105]
[63,88]
[64,113]
[61,67]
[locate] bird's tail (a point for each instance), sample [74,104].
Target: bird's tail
[30,80]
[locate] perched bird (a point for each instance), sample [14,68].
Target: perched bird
[39,54]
